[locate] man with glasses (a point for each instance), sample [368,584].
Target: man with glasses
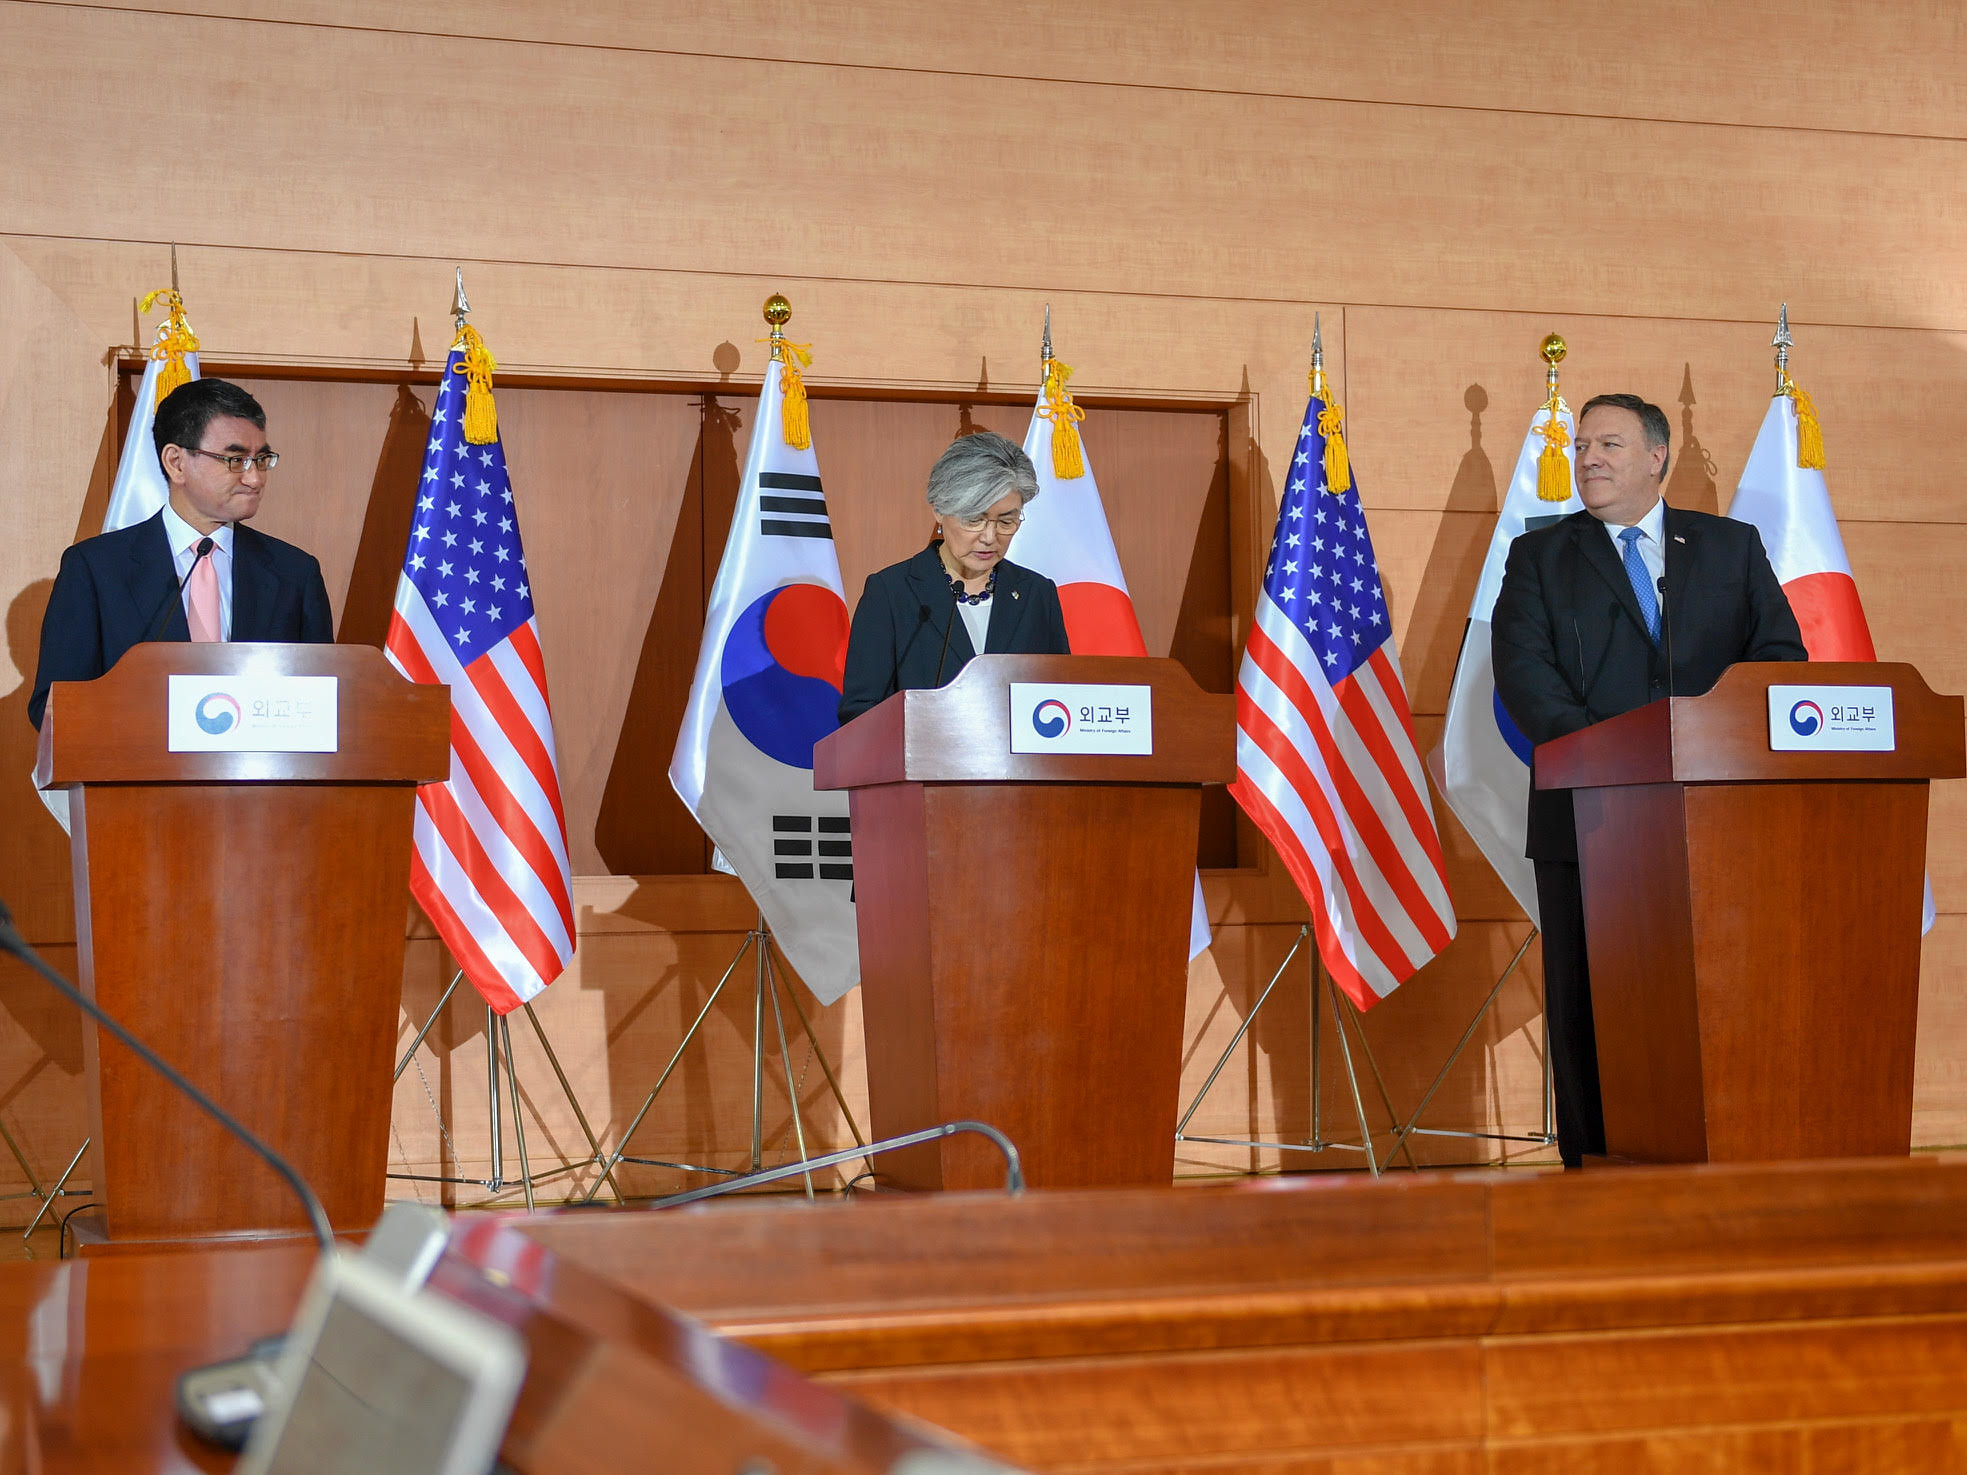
[920,621]
[194,571]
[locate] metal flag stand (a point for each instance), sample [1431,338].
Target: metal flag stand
[498,1038]
[1410,1127]
[1317,1142]
[767,986]
[60,1190]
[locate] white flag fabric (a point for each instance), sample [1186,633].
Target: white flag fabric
[1482,766]
[1789,505]
[139,491]
[1065,537]
[767,688]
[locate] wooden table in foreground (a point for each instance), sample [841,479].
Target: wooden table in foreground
[1778,1317]
[1808,1317]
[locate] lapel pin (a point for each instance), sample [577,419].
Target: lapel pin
[1678,539]
[1014,594]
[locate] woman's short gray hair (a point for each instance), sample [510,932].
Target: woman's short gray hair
[976,473]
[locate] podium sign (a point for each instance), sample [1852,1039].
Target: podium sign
[252,714]
[1831,719]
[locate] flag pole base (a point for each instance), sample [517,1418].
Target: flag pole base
[498,1042]
[1324,992]
[767,989]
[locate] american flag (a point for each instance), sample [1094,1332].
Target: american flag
[490,867]
[1326,762]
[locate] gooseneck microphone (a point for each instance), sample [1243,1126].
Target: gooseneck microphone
[12,942]
[956,593]
[157,620]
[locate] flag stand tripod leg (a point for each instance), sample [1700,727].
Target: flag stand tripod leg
[785,1060]
[518,1126]
[1412,1127]
[593,1145]
[492,1097]
[498,1035]
[1242,1029]
[1317,1141]
[758,1054]
[1379,1085]
[61,1183]
[1331,991]
[792,995]
[620,1154]
[411,1053]
[33,1183]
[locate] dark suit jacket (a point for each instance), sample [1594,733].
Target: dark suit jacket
[1570,645]
[114,588]
[904,612]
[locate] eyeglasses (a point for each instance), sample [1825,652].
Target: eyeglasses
[1008,524]
[265,460]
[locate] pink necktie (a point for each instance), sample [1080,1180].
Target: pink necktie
[202,602]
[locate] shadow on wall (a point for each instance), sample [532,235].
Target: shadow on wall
[1690,484]
[386,524]
[39,896]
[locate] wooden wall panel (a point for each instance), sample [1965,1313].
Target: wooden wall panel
[631,181]
[1847,69]
[1636,233]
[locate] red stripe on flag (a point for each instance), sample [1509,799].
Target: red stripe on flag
[459,940]
[1291,851]
[1367,822]
[1832,617]
[511,817]
[518,922]
[1258,727]
[1366,722]
[518,728]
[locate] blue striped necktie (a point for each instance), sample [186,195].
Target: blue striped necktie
[1642,583]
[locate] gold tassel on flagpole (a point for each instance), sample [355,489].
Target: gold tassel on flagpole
[1809,432]
[174,340]
[481,415]
[1553,465]
[1331,423]
[795,414]
[1067,459]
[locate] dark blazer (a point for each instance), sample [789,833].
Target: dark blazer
[907,609]
[114,589]
[1570,646]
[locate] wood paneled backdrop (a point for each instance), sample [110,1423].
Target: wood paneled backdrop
[624,183]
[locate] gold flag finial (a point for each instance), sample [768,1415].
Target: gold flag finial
[1553,463]
[796,415]
[1809,430]
[1331,417]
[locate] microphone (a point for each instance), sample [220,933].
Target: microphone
[1666,629]
[12,942]
[944,652]
[157,621]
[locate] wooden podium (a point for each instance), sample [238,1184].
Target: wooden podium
[243,913]
[1024,922]
[1753,918]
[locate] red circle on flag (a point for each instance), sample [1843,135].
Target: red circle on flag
[806,632]
[1099,621]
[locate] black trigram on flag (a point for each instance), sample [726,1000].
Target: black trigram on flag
[808,847]
[791,506]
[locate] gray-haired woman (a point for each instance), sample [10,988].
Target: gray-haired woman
[920,621]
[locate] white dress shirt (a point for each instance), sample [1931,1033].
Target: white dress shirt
[184,548]
[1652,548]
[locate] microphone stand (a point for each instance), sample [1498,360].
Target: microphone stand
[161,618]
[12,942]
